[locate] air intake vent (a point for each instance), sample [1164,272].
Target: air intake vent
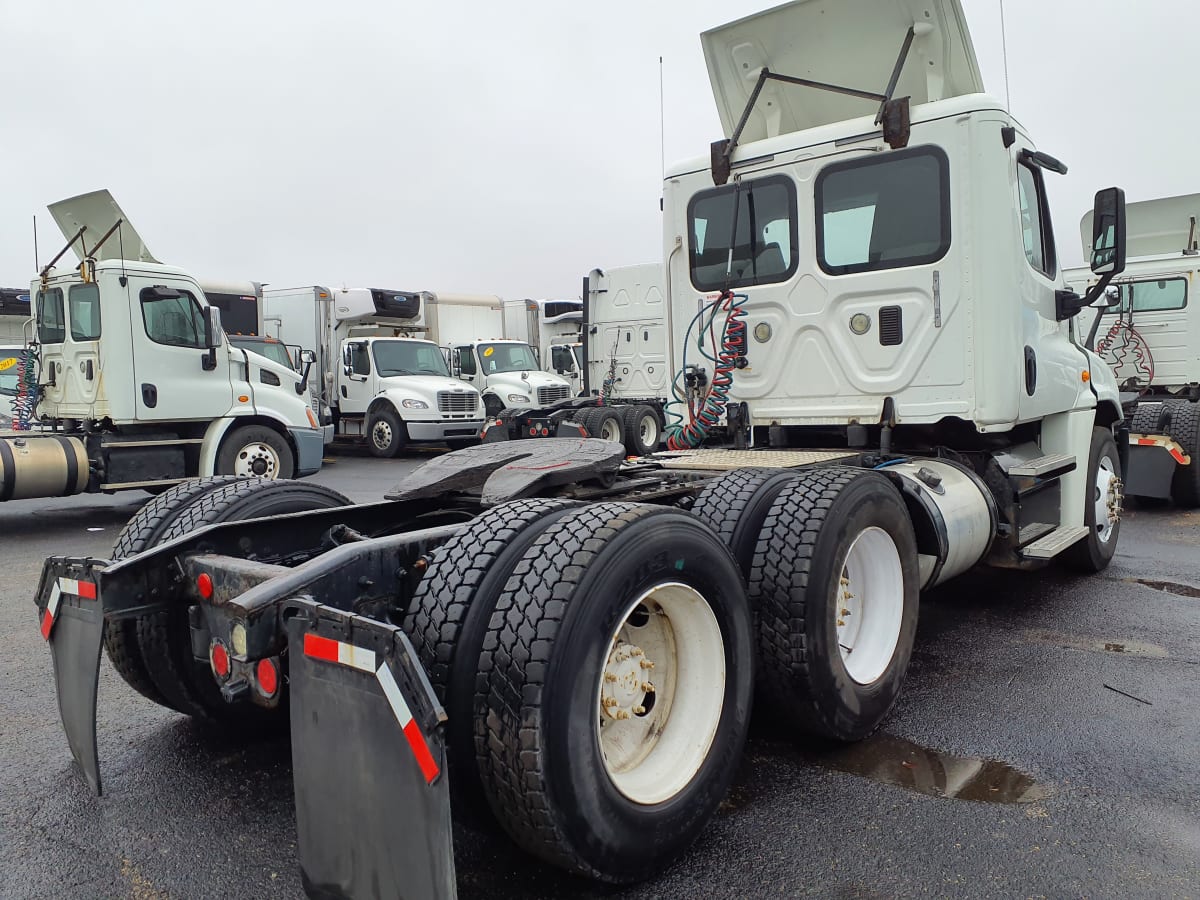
[891,326]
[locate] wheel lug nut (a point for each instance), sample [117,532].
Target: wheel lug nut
[646,664]
[610,677]
[844,612]
[610,702]
[639,710]
[647,687]
[622,714]
[841,623]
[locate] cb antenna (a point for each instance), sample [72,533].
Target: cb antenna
[36,266]
[662,127]
[1004,52]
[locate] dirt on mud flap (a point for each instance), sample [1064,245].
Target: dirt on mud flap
[373,813]
[72,622]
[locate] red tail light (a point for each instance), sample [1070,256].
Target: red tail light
[204,585]
[268,677]
[218,658]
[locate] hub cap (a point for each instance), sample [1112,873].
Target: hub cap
[660,693]
[870,605]
[611,430]
[381,434]
[1108,495]
[257,459]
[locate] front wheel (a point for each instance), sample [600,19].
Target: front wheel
[255,451]
[386,435]
[1102,506]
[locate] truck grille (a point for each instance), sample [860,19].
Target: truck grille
[456,401]
[552,394]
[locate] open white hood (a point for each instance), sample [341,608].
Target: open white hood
[98,211]
[848,43]
[1154,227]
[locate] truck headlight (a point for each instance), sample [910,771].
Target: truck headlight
[415,404]
[517,398]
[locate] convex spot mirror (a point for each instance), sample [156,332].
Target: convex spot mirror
[1108,232]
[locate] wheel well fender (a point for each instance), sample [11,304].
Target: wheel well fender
[1108,413]
[383,403]
[220,430]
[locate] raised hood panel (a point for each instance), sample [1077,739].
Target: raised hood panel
[849,43]
[99,212]
[1160,227]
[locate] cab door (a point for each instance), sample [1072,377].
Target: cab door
[50,309]
[354,382]
[175,377]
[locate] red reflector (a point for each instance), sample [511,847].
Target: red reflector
[219,657]
[268,677]
[204,585]
[533,431]
[320,647]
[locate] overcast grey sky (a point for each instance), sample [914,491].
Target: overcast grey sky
[490,148]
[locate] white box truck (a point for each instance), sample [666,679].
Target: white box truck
[1149,334]
[571,643]
[492,344]
[380,379]
[133,377]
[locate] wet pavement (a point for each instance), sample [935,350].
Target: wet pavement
[1047,744]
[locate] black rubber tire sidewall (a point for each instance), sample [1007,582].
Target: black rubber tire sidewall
[392,450]
[597,418]
[1090,555]
[735,506]
[801,672]
[1185,430]
[599,832]
[632,417]
[239,437]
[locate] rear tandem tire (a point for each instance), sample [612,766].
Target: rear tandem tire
[449,616]
[735,506]
[604,423]
[643,429]
[563,665]
[834,573]
[144,530]
[1185,429]
[164,638]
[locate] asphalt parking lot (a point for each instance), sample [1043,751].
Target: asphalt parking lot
[1047,744]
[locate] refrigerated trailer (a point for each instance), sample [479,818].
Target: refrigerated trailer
[1149,333]
[551,635]
[131,381]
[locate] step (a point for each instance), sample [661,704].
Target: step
[1049,466]
[1055,542]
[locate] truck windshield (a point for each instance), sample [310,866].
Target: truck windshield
[276,351]
[10,371]
[408,358]
[507,358]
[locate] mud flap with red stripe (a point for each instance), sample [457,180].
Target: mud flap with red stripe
[1153,461]
[72,622]
[368,760]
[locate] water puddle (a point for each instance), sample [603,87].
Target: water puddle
[1127,648]
[892,760]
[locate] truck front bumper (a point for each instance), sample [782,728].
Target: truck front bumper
[310,448]
[441,431]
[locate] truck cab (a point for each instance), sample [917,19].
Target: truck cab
[507,373]
[393,390]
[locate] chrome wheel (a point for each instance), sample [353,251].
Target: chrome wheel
[257,459]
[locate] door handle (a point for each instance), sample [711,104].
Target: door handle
[89,371]
[149,396]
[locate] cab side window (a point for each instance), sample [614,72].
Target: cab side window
[51,320]
[466,360]
[1036,231]
[360,359]
[172,317]
[84,301]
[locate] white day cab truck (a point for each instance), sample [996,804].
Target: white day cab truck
[132,382]
[548,634]
[381,379]
[496,345]
[1148,332]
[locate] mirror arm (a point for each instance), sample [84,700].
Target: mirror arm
[303,385]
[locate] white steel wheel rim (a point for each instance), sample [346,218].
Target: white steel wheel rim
[1107,500]
[869,607]
[653,742]
[257,459]
[648,428]
[381,434]
[610,429]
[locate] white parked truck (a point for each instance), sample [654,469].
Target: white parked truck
[493,345]
[1150,336]
[379,378]
[135,381]
[563,640]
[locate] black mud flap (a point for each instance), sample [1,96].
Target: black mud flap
[71,619]
[1152,466]
[368,760]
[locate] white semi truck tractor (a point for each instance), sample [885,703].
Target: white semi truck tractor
[862,291]
[380,379]
[131,382]
[1148,331]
